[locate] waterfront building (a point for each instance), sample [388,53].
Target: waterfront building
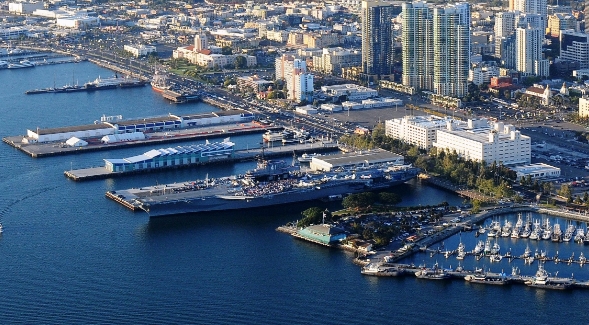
[574,46]
[365,158]
[584,106]
[417,130]
[110,125]
[323,234]
[177,156]
[139,50]
[481,141]
[377,44]
[537,171]
[528,52]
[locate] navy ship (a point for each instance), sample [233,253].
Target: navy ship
[272,182]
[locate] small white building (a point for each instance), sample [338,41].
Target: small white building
[307,110]
[351,91]
[356,159]
[331,107]
[140,50]
[537,171]
[351,105]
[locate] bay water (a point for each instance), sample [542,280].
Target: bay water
[69,255]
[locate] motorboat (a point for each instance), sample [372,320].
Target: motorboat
[21,64]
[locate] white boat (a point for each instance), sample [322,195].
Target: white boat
[307,157]
[569,233]
[479,248]
[527,252]
[21,64]
[519,222]
[506,229]
[270,136]
[544,281]
[496,248]
[582,259]
[1,228]
[579,235]
[496,258]
[556,233]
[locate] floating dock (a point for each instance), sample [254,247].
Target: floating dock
[242,155]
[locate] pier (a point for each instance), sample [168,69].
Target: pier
[46,149]
[180,98]
[241,155]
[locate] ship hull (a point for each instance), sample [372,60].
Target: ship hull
[209,204]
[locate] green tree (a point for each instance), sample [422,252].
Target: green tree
[240,62]
[388,198]
[226,50]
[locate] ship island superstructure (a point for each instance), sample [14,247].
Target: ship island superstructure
[273,182]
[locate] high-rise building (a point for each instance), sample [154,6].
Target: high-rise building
[532,7]
[528,52]
[377,44]
[436,48]
[452,50]
[418,49]
[299,83]
[574,47]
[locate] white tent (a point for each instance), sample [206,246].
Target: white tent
[76,142]
[113,138]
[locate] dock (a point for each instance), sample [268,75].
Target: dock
[180,98]
[241,155]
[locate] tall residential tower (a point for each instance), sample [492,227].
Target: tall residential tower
[377,44]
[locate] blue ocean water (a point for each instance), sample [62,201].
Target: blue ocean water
[69,255]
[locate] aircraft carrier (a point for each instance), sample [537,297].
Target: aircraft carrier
[273,182]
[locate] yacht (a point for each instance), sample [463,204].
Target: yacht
[527,252]
[496,248]
[487,278]
[435,273]
[547,232]
[569,233]
[506,229]
[526,232]
[307,157]
[21,64]
[544,281]
[479,248]
[556,233]
[579,235]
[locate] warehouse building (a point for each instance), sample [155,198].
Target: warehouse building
[356,159]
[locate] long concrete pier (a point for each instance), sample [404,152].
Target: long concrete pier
[241,155]
[38,150]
